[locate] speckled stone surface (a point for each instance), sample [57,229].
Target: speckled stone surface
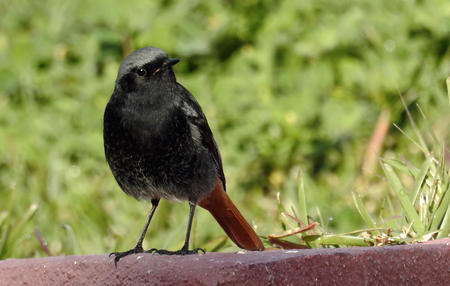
[418,264]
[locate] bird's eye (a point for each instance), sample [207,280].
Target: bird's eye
[141,72]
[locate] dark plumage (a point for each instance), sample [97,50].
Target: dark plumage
[157,140]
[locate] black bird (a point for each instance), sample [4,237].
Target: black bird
[158,145]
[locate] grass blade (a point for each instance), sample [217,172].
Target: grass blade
[427,125]
[371,223]
[290,224]
[401,166]
[420,179]
[415,128]
[401,195]
[448,89]
[338,239]
[3,236]
[445,226]
[441,212]
[425,151]
[72,239]
[302,199]
[3,216]
[17,230]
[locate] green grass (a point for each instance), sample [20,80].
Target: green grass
[286,85]
[419,206]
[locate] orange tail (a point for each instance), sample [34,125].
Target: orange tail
[230,219]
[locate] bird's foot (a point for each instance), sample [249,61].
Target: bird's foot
[177,252]
[120,255]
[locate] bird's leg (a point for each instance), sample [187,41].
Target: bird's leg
[185,249]
[138,248]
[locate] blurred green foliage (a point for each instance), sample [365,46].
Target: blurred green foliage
[284,84]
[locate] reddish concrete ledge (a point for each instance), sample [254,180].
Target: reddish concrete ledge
[419,264]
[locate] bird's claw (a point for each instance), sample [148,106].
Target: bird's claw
[177,252]
[120,255]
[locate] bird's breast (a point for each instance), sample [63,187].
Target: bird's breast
[152,154]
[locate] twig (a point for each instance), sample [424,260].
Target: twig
[42,241]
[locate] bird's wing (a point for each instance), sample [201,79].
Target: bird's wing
[195,116]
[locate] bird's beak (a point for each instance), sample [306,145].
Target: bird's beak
[171,62]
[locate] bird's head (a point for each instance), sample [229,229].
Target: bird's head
[144,68]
